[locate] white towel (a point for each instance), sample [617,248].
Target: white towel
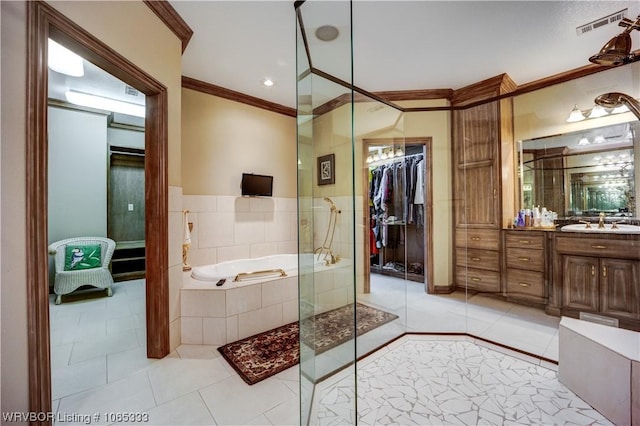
[187,233]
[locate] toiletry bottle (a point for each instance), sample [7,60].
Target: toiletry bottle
[536,217]
[527,218]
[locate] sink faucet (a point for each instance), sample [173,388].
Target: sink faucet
[601,221]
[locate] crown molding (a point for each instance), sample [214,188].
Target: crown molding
[171,19]
[212,89]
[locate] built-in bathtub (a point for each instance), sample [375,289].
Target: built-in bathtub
[216,315]
[247,271]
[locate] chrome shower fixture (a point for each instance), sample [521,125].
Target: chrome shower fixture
[617,51]
[616,99]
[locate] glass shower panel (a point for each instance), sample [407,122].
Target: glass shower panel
[326,211]
[380,186]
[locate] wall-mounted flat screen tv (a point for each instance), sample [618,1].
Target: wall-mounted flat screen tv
[256,185]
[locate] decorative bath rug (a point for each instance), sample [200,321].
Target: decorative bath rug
[260,356]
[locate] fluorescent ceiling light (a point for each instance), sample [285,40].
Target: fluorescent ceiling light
[107,104]
[64,61]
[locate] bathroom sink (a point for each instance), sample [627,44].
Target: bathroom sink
[608,228]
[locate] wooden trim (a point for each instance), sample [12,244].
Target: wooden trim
[483,90]
[415,95]
[45,21]
[211,89]
[171,19]
[39,357]
[562,77]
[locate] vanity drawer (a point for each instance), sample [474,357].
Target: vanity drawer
[525,283]
[528,259]
[512,239]
[598,247]
[478,279]
[480,259]
[478,238]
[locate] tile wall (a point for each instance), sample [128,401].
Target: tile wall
[231,227]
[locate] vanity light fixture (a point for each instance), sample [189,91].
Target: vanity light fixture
[597,111]
[369,159]
[599,139]
[64,61]
[583,141]
[399,152]
[575,115]
[107,104]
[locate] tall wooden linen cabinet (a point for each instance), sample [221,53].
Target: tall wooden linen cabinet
[483,181]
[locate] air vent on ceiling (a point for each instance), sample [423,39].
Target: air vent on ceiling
[614,18]
[128,90]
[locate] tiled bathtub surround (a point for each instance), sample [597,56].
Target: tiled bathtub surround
[233,227]
[213,315]
[219,315]
[418,381]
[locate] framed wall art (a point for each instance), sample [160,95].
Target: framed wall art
[326,169]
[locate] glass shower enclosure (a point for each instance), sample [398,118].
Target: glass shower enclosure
[339,319]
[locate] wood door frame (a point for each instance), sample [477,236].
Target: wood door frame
[428,225]
[43,21]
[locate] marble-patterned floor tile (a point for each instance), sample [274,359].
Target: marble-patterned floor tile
[452,382]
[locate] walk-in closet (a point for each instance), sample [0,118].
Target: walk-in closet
[397,209]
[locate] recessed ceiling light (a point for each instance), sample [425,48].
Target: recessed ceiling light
[327,33]
[268,82]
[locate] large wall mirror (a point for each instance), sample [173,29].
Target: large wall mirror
[582,167]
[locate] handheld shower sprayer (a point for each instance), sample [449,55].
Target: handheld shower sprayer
[331,229]
[616,99]
[333,206]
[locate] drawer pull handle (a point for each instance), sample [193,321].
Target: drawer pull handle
[475,238]
[476,259]
[524,242]
[525,285]
[476,279]
[604,271]
[599,247]
[593,270]
[524,259]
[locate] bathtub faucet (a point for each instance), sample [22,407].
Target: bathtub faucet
[329,257]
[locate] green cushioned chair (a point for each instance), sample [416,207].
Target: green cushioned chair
[76,264]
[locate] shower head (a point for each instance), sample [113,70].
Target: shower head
[616,99]
[333,206]
[617,51]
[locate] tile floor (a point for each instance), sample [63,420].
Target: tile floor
[99,363]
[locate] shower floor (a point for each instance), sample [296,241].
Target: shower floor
[420,380]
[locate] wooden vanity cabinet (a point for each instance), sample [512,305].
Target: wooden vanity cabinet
[598,274]
[482,137]
[525,259]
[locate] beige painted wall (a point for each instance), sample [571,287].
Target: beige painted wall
[437,124]
[157,51]
[221,139]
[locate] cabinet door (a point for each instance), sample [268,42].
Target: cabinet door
[477,133]
[620,287]
[580,283]
[477,196]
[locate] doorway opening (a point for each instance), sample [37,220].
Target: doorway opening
[398,210]
[45,22]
